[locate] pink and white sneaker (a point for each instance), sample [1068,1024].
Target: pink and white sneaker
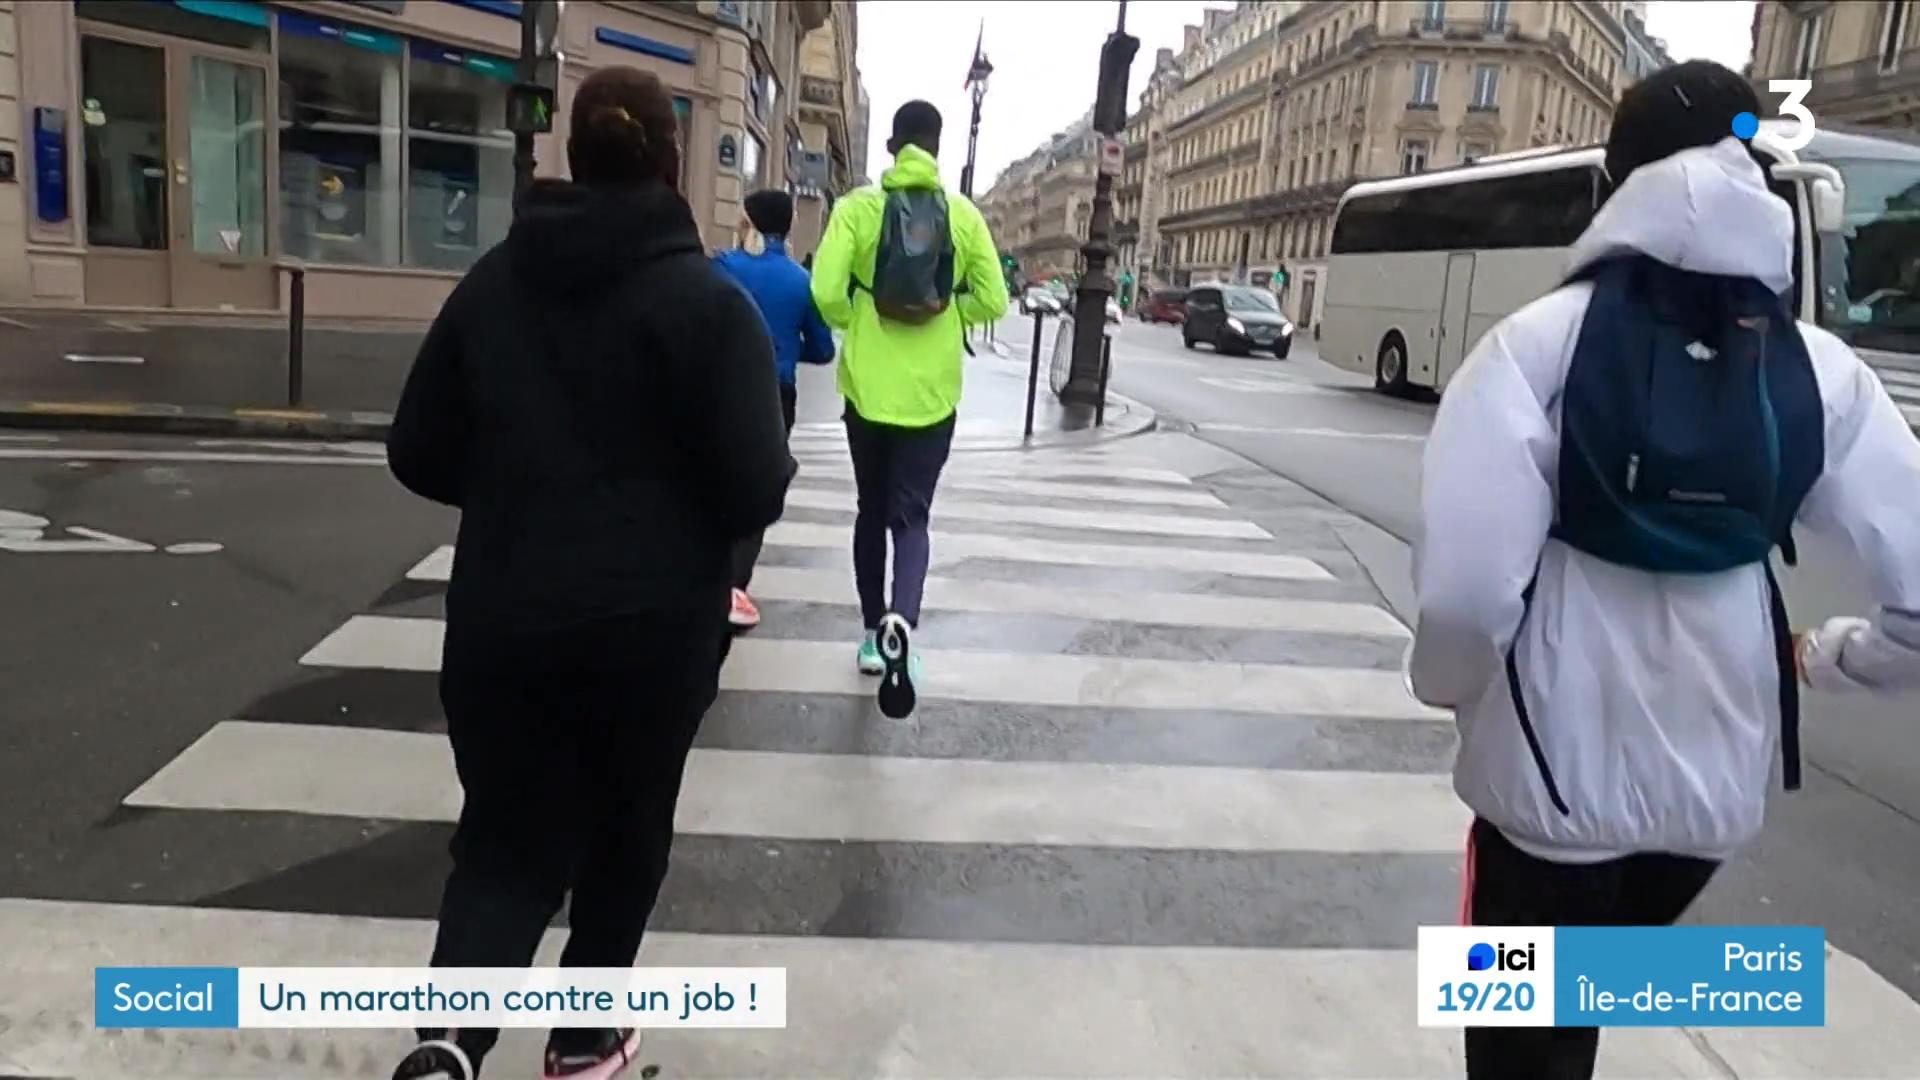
[607,1057]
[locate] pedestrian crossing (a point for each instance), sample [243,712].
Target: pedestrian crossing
[1166,810]
[1904,386]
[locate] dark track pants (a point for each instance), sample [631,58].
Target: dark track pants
[570,747]
[895,470]
[747,552]
[1508,887]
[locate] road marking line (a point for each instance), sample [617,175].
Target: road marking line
[16,323]
[1058,517]
[203,457]
[1045,489]
[77,408]
[93,358]
[1323,433]
[408,776]
[950,548]
[395,643]
[1157,608]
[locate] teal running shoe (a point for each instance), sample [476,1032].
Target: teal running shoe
[869,659]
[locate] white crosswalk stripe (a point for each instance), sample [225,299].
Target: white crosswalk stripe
[1060,794]
[1903,385]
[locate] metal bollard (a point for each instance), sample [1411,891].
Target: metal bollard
[1033,372]
[1106,368]
[296,334]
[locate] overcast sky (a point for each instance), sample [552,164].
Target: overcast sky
[1046,53]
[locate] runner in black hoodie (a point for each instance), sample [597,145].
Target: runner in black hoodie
[600,403]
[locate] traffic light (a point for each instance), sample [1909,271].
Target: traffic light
[1110,102]
[1280,278]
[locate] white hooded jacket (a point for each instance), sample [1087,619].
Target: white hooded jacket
[1655,696]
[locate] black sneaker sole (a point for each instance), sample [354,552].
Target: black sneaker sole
[896,694]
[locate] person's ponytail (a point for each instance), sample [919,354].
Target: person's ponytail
[623,130]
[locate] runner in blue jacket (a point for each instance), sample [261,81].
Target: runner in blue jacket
[782,291]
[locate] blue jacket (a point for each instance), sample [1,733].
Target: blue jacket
[782,292]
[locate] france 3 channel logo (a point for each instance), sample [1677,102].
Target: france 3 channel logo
[1486,976]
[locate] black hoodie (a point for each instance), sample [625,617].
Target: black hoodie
[601,404]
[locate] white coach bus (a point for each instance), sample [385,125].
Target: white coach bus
[1421,266]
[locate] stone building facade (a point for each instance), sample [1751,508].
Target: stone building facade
[171,155]
[1862,57]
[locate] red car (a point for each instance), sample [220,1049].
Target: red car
[1165,306]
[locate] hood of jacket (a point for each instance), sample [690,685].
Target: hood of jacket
[912,168]
[1707,210]
[572,238]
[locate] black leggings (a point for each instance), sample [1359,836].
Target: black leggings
[570,747]
[1512,888]
[747,552]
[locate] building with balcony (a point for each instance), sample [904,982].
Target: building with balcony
[1284,106]
[862,125]
[829,90]
[179,150]
[1862,58]
[1645,54]
[1038,207]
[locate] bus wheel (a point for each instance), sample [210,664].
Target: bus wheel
[1390,369]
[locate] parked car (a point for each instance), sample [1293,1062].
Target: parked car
[1236,319]
[1039,298]
[1165,306]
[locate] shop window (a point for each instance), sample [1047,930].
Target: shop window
[683,112]
[123,87]
[459,158]
[340,105]
[750,159]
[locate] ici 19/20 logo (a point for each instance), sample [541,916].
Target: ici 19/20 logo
[1485,957]
[1746,125]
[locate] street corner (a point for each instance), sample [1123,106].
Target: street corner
[156,418]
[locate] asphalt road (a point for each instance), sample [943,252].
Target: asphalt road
[1844,852]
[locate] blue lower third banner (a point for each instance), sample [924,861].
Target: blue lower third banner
[198,997]
[1622,976]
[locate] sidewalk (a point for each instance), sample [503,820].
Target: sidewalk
[157,373]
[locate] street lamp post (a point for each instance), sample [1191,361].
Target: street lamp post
[977,73]
[1083,385]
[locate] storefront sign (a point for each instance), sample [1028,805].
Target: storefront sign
[729,152]
[307,26]
[506,9]
[646,46]
[50,163]
[494,67]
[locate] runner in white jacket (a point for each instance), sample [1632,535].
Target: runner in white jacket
[1655,697]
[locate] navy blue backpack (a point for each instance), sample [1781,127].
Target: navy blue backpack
[1691,431]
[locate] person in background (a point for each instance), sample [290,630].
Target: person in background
[600,403]
[903,268]
[779,289]
[1606,647]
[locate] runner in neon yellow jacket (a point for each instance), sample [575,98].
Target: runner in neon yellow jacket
[897,373]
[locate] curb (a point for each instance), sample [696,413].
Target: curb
[147,419]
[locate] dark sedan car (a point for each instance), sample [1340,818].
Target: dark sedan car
[1236,319]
